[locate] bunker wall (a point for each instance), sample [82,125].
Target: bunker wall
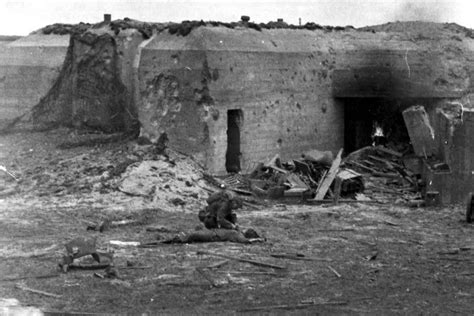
[187,88]
[27,72]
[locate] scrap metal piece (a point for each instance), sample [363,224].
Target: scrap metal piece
[77,248]
[101,227]
[80,247]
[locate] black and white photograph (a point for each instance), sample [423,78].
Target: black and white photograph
[265,157]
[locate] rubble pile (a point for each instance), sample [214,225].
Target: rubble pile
[385,175]
[306,177]
[373,173]
[169,179]
[175,181]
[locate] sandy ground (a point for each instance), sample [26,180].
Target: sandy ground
[361,258]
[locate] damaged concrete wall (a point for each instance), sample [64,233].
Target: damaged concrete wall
[128,43]
[28,69]
[454,130]
[413,71]
[279,79]
[448,168]
[290,84]
[421,132]
[406,60]
[95,86]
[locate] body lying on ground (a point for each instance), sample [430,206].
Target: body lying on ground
[246,236]
[221,222]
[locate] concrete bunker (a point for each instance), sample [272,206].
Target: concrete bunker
[299,89]
[232,95]
[273,77]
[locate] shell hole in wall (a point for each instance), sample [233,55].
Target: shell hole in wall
[233,155]
[362,117]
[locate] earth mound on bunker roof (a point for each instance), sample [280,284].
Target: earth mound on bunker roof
[9,38]
[422,29]
[179,28]
[185,27]
[115,26]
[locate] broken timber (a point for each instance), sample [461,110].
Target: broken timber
[297,257]
[25,288]
[290,307]
[326,182]
[389,151]
[331,201]
[257,263]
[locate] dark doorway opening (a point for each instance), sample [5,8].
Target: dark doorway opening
[362,117]
[234,123]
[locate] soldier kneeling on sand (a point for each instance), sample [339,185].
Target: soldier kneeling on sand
[219,211]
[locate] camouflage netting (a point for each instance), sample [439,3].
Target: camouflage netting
[88,91]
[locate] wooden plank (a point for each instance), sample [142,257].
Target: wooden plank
[334,271]
[289,307]
[331,201]
[337,190]
[389,151]
[27,289]
[384,161]
[326,182]
[296,182]
[357,164]
[254,262]
[296,257]
[278,169]
[321,180]
[240,191]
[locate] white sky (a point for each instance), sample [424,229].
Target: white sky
[20,17]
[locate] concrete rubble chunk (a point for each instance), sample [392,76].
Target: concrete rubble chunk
[421,132]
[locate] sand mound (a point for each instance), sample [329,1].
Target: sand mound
[170,183]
